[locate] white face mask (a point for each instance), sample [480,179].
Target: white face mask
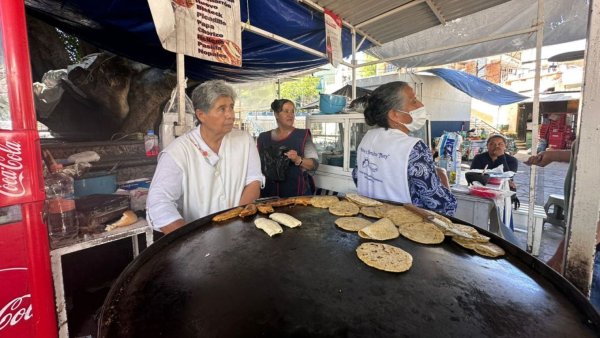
[419,117]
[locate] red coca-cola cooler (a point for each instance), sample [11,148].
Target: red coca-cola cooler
[26,296]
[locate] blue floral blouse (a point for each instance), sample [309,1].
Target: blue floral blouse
[426,189]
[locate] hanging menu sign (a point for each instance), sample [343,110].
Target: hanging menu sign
[204,29]
[333,36]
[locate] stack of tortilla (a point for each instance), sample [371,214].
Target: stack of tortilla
[397,220]
[392,222]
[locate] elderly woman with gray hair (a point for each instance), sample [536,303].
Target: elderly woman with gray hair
[210,168]
[392,165]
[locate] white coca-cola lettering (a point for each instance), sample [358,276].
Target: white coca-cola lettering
[9,177]
[11,170]
[14,311]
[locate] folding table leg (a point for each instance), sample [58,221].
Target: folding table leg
[136,246]
[537,235]
[59,294]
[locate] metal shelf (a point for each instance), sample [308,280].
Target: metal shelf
[86,242]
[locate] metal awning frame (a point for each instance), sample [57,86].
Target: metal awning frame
[584,199]
[356,29]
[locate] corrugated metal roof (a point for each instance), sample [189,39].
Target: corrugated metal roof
[554,97]
[388,20]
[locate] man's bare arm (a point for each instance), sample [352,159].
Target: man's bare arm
[546,157]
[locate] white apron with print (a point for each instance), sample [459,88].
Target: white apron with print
[382,161]
[206,188]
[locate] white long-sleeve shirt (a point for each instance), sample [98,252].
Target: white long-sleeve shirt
[192,181]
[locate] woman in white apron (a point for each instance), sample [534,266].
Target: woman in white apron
[392,165]
[210,168]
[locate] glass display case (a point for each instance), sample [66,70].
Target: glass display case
[328,137]
[336,138]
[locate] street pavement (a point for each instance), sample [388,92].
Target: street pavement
[550,180]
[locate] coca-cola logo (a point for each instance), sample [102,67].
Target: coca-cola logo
[11,170]
[17,309]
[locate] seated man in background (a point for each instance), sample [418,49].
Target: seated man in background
[210,168]
[495,156]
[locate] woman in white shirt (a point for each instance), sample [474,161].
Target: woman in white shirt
[210,168]
[392,165]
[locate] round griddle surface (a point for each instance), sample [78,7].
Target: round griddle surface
[231,279]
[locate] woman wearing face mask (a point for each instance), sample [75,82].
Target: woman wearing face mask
[296,145]
[392,165]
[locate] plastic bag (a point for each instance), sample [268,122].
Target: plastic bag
[275,164]
[450,155]
[47,94]
[171,118]
[77,170]
[486,192]
[84,156]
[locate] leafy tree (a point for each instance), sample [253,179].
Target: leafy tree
[71,45]
[368,71]
[301,91]
[255,96]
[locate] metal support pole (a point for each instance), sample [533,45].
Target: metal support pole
[539,35]
[278,88]
[361,42]
[353,64]
[583,216]
[280,39]
[344,22]
[180,128]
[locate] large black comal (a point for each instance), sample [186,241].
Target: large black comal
[232,280]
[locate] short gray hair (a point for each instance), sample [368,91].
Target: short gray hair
[205,95]
[383,99]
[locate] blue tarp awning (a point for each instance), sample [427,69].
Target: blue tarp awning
[125,27]
[477,88]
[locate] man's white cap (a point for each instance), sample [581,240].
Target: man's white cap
[494,136]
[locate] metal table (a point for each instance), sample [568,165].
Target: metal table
[484,213]
[478,211]
[63,248]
